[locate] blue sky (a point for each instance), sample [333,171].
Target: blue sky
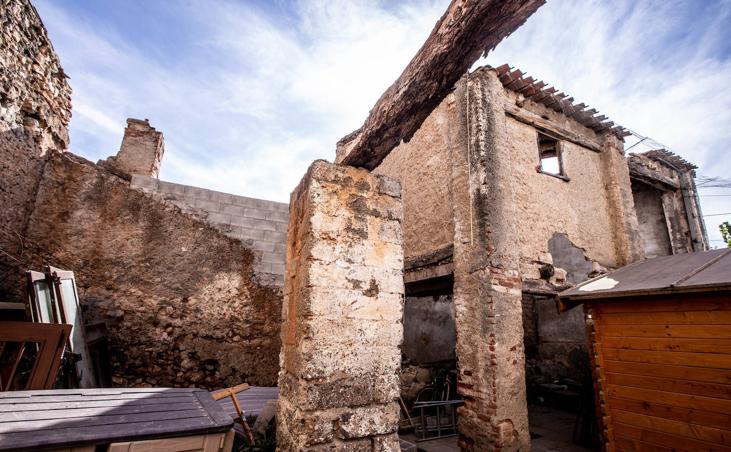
[248,93]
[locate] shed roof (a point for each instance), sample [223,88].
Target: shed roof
[63,418]
[689,272]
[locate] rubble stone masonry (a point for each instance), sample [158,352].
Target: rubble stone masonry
[35,97]
[342,315]
[178,297]
[35,108]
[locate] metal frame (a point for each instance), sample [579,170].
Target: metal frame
[446,409]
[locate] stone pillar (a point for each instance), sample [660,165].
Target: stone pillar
[625,227]
[487,283]
[342,313]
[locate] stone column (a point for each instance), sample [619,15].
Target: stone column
[625,227]
[487,284]
[342,313]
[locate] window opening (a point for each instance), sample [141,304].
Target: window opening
[549,152]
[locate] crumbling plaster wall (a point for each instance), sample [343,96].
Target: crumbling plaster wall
[651,217]
[178,297]
[672,206]
[546,205]
[423,167]
[582,207]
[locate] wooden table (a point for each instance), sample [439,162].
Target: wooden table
[126,419]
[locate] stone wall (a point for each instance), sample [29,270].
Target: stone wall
[423,167]
[342,330]
[260,224]
[35,108]
[487,281]
[178,297]
[35,97]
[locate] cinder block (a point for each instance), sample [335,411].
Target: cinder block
[255,213]
[144,182]
[248,233]
[198,193]
[278,216]
[232,209]
[261,245]
[243,201]
[272,258]
[224,198]
[208,205]
[277,269]
[252,223]
[274,236]
[171,188]
[280,226]
[263,267]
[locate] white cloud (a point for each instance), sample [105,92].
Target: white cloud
[255,96]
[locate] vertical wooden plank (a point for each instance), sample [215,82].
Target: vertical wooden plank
[212,442]
[228,441]
[597,374]
[119,447]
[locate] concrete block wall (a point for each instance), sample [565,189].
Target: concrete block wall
[260,224]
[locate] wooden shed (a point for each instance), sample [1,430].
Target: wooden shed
[659,333]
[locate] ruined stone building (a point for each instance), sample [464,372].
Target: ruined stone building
[506,184]
[187,281]
[507,193]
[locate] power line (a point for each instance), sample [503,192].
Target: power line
[710,196]
[717,214]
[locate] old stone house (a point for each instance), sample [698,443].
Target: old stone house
[507,188]
[509,191]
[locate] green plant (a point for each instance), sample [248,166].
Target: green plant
[725,228]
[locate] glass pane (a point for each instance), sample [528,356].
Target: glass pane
[68,296]
[45,302]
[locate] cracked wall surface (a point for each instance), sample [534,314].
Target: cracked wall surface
[342,314]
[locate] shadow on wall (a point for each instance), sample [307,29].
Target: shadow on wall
[179,298]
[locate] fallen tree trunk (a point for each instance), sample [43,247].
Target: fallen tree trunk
[467,29]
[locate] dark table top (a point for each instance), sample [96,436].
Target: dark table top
[33,420]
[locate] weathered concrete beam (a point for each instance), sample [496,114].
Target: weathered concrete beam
[467,29]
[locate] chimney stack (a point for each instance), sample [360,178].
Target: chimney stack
[141,150]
